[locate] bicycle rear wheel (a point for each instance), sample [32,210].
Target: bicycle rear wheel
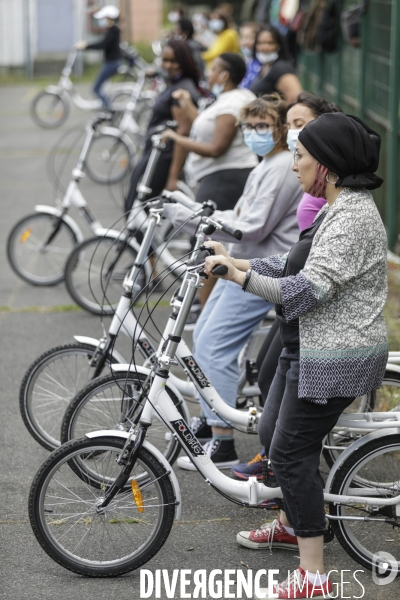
[95,271]
[108,159]
[50,384]
[49,110]
[384,399]
[63,508]
[115,402]
[372,470]
[38,247]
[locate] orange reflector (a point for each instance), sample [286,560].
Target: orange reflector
[25,235]
[137,495]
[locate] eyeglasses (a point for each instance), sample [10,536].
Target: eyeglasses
[296,156]
[261,128]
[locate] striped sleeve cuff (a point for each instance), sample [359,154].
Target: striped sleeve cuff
[265,287]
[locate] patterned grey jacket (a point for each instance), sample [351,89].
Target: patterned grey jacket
[339,298]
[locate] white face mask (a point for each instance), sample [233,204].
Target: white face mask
[173,17]
[216,25]
[291,138]
[265,58]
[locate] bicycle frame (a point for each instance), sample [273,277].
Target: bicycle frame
[73,197]
[250,493]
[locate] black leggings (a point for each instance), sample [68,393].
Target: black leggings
[267,359]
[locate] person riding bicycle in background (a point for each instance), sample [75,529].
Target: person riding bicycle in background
[329,290]
[266,214]
[107,16]
[305,109]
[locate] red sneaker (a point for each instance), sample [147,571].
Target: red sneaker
[297,586]
[270,535]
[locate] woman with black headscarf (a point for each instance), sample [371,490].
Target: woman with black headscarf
[329,290]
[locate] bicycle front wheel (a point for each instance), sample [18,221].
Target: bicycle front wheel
[373,470]
[95,271]
[64,515]
[108,159]
[115,402]
[49,110]
[49,385]
[38,247]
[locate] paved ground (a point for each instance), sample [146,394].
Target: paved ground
[35,319]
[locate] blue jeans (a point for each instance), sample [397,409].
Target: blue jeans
[224,326]
[107,70]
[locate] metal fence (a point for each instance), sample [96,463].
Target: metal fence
[365,81]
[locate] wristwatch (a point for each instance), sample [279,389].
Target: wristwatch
[246,280]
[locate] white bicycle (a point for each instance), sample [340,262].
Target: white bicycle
[105,504]
[51,107]
[39,244]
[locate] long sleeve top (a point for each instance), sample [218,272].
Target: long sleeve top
[226,41]
[110,44]
[265,213]
[338,298]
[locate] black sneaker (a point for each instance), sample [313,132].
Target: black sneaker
[192,317]
[222,453]
[201,430]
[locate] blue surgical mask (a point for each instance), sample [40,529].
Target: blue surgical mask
[217,89]
[102,22]
[291,138]
[216,25]
[260,144]
[247,52]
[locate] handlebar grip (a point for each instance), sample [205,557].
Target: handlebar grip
[236,233]
[220,270]
[180,198]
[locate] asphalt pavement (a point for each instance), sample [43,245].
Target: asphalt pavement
[33,320]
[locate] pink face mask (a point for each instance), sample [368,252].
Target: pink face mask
[318,186]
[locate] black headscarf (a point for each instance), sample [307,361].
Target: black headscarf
[346,146]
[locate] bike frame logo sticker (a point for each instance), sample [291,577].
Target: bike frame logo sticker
[146,347]
[196,372]
[188,438]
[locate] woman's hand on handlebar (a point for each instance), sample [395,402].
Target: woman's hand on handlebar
[232,274]
[168,134]
[81,45]
[218,248]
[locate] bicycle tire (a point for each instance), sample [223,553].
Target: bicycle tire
[108,545]
[108,164]
[86,273]
[58,119]
[25,249]
[360,472]
[33,391]
[84,415]
[381,400]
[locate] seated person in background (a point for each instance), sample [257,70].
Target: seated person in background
[184,30]
[227,39]
[276,74]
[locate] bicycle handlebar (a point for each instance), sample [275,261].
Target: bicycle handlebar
[213,225]
[180,198]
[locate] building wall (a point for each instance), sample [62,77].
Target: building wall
[142,20]
[12,38]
